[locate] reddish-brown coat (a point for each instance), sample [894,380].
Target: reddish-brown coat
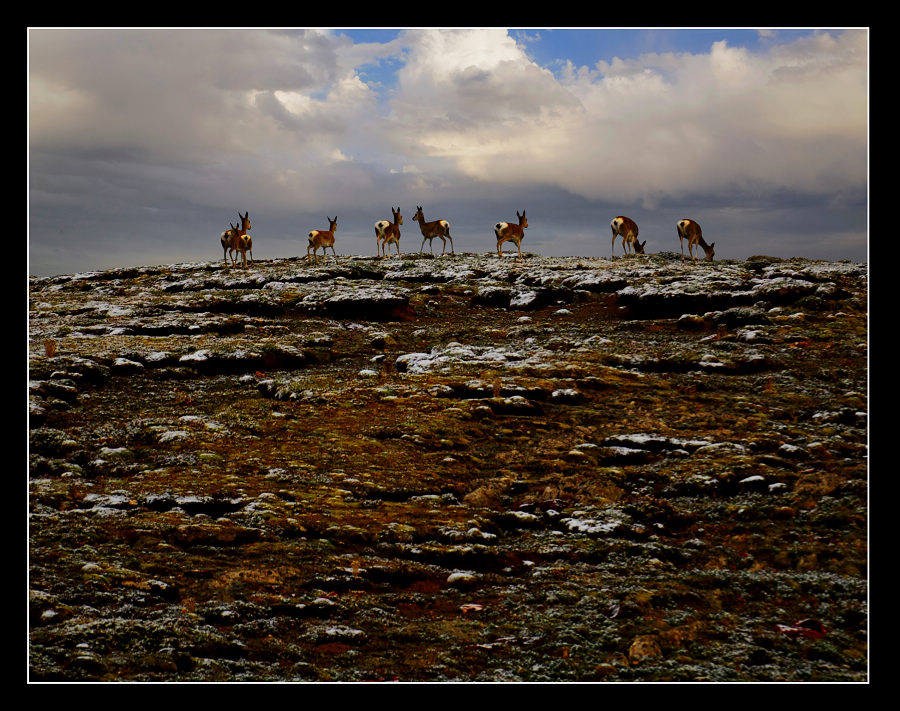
[388,232]
[508,232]
[628,229]
[241,241]
[690,231]
[323,239]
[430,230]
[226,239]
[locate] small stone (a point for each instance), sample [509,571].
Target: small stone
[643,648]
[462,579]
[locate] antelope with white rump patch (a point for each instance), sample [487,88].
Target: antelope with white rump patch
[241,241]
[323,239]
[226,238]
[388,232]
[628,229]
[508,232]
[430,230]
[690,231]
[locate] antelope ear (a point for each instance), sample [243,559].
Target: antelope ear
[712,245]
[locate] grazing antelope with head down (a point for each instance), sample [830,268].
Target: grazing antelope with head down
[388,232]
[241,241]
[323,239]
[430,230]
[690,231]
[628,229]
[508,232]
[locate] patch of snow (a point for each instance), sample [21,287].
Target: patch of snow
[115,452]
[722,446]
[461,576]
[125,363]
[198,356]
[523,299]
[592,526]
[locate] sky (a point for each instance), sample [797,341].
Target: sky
[146,143]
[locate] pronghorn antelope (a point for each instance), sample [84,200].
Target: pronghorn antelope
[690,231]
[388,232]
[628,229]
[430,230]
[323,239]
[226,242]
[508,232]
[241,241]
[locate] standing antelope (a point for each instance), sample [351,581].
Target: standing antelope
[690,231]
[241,241]
[226,238]
[628,229]
[388,232]
[323,239]
[508,232]
[430,230]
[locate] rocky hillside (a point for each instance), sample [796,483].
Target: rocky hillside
[458,468]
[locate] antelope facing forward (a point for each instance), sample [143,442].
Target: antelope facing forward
[388,232]
[628,229]
[430,230]
[690,231]
[323,239]
[508,232]
[241,241]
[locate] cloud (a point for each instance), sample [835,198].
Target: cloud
[460,87]
[468,103]
[793,118]
[157,132]
[271,110]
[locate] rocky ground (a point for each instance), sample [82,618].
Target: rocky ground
[450,469]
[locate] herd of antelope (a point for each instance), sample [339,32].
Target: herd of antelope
[387,232]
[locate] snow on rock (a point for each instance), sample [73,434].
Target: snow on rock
[598,524]
[197,356]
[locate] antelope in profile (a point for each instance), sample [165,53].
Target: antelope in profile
[226,238]
[388,232]
[241,241]
[690,231]
[628,229]
[508,232]
[323,239]
[430,230]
